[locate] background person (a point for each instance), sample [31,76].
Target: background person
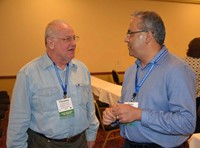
[158,95]
[52,104]
[193,59]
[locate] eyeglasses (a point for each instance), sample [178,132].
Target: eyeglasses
[134,32]
[68,38]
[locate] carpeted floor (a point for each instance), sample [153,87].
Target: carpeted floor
[116,143]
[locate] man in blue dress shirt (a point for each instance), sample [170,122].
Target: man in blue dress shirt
[157,106]
[52,104]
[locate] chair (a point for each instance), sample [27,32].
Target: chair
[4,98]
[4,111]
[4,103]
[116,77]
[100,103]
[107,128]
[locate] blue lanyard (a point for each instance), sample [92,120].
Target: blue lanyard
[64,86]
[137,86]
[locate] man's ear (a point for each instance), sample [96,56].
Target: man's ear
[50,43]
[148,36]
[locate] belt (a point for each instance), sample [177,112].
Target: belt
[69,139]
[142,145]
[149,145]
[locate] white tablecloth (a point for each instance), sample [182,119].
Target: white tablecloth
[106,91]
[194,141]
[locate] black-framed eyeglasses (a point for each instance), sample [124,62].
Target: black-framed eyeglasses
[129,32]
[68,38]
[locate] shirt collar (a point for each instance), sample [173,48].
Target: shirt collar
[47,62]
[138,62]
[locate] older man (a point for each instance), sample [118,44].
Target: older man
[52,104]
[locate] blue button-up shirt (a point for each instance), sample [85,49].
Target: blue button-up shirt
[167,99]
[34,97]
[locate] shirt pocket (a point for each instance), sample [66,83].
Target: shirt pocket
[83,91]
[45,99]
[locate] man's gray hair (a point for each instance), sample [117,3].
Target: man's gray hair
[52,29]
[151,21]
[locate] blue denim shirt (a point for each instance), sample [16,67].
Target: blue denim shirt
[167,99]
[33,103]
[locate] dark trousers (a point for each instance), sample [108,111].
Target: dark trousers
[37,141]
[130,144]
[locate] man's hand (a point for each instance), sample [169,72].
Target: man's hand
[126,113]
[108,116]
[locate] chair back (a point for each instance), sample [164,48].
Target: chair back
[99,114]
[115,77]
[111,132]
[4,98]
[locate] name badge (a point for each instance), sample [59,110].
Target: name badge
[65,107]
[134,104]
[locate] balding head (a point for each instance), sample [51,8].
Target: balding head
[53,28]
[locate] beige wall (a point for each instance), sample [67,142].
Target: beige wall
[7,85]
[101,25]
